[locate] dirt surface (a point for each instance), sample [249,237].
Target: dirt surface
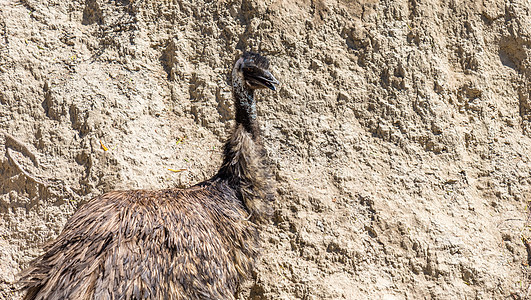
[400,138]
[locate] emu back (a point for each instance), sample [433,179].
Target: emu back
[168,244]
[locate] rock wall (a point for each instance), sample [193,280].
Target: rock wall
[400,138]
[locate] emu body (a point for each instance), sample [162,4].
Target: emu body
[194,243]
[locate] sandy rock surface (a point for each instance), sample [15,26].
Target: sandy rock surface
[400,138]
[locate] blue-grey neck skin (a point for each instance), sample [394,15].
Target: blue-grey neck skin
[243,99]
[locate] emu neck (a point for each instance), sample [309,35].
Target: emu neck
[244,166]
[243,162]
[245,106]
[242,150]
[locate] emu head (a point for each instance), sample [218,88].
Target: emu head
[252,70]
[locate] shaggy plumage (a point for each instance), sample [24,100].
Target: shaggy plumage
[195,243]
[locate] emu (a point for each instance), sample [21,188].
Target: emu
[194,243]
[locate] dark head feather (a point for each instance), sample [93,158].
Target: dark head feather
[252,58]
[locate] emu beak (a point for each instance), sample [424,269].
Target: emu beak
[259,78]
[268,80]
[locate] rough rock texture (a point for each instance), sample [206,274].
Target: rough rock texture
[400,137]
